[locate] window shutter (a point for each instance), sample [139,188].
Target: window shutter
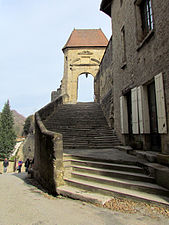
[144,118]
[160,101]
[124,115]
[134,108]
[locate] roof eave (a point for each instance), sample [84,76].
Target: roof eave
[99,46]
[106,7]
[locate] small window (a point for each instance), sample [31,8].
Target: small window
[144,18]
[123,37]
[121,2]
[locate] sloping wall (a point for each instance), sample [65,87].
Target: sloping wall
[48,160]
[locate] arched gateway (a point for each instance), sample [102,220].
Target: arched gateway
[83,53]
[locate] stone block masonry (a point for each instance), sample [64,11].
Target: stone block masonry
[48,161]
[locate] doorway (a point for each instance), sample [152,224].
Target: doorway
[85,88]
[128,96]
[155,137]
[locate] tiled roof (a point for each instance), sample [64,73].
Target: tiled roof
[86,38]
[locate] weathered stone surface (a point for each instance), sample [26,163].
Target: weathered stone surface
[48,161]
[163,159]
[83,126]
[144,59]
[104,85]
[81,59]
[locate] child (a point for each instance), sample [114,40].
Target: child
[19,166]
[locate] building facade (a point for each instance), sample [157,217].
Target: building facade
[140,72]
[83,53]
[104,85]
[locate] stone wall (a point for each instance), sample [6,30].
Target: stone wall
[55,94]
[28,147]
[10,169]
[137,59]
[144,59]
[104,85]
[48,159]
[77,61]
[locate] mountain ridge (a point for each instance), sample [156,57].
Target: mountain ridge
[19,121]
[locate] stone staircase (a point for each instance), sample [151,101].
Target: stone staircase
[97,181]
[94,170]
[83,126]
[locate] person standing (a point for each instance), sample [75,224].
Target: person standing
[19,166]
[27,163]
[5,165]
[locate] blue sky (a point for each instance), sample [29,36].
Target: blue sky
[32,35]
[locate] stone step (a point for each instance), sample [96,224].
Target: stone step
[128,184]
[82,126]
[79,190]
[75,130]
[105,165]
[81,146]
[98,145]
[114,173]
[88,136]
[90,142]
[83,195]
[80,156]
[94,132]
[106,177]
[77,118]
[89,139]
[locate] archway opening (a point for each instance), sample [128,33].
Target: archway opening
[85,88]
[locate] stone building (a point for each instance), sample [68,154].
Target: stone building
[104,85]
[83,53]
[137,78]
[131,84]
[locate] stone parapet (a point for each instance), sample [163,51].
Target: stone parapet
[48,161]
[50,108]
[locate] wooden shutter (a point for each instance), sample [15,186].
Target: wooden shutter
[134,108]
[124,115]
[160,101]
[144,118]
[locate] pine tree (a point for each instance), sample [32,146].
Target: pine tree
[7,134]
[27,126]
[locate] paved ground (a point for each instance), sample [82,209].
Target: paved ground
[25,204]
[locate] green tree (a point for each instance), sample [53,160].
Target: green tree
[7,133]
[28,126]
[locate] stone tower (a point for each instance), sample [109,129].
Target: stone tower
[83,53]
